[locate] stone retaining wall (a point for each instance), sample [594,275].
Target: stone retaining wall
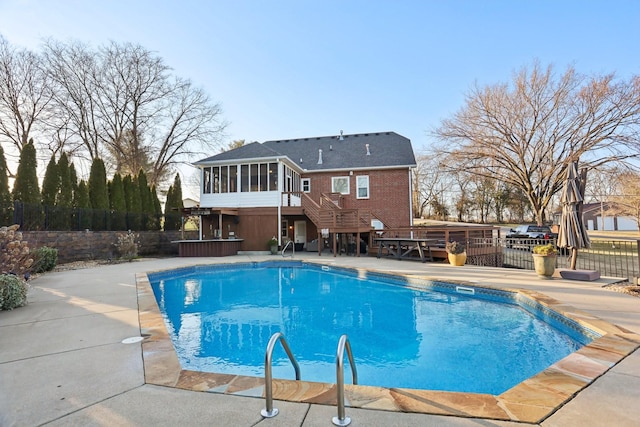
[88,245]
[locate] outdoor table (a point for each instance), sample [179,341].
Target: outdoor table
[403,248]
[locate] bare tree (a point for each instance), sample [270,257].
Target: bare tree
[603,183]
[626,201]
[427,184]
[74,70]
[24,94]
[501,198]
[132,88]
[524,134]
[484,196]
[188,126]
[122,104]
[464,198]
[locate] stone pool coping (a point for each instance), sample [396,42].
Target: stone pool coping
[531,401]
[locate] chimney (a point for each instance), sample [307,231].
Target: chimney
[320,156]
[367,147]
[341,138]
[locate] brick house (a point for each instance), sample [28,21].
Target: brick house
[308,190]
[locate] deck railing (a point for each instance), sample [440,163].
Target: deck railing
[485,247]
[613,258]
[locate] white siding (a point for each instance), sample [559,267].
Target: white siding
[240,200]
[627,224]
[623,223]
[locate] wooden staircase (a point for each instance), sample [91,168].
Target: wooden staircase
[328,215]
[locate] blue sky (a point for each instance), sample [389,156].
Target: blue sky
[290,69]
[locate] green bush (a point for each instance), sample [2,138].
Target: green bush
[13,292]
[44,259]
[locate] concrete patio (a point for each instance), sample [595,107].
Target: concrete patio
[62,360]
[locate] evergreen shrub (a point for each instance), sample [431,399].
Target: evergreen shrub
[44,259]
[13,292]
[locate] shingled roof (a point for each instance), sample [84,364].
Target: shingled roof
[356,151]
[254,150]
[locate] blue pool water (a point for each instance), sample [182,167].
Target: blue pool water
[220,319]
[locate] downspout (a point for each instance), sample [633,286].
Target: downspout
[411,201]
[201,194]
[280,188]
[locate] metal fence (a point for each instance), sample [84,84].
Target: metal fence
[613,258]
[35,217]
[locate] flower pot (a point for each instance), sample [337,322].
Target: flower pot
[457,259]
[274,249]
[544,265]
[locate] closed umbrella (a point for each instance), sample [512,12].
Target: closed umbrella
[572,233]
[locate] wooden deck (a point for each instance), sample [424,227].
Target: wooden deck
[478,239]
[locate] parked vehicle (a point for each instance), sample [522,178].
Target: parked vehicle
[528,234]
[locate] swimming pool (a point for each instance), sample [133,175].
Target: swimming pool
[412,334]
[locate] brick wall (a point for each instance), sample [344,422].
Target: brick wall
[389,195]
[85,245]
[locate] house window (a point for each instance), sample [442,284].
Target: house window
[264,177]
[224,179]
[273,177]
[362,184]
[244,178]
[233,179]
[216,179]
[206,180]
[292,180]
[254,178]
[306,185]
[340,184]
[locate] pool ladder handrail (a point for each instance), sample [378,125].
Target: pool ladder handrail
[342,419]
[270,411]
[293,248]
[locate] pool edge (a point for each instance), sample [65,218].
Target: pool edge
[530,401]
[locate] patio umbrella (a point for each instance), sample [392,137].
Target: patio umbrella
[572,233]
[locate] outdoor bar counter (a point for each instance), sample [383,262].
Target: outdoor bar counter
[213,247]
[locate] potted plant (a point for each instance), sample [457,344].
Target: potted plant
[544,260]
[456,253]
[273,245]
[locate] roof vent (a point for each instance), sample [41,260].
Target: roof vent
[367,147]
[330,147]
[341,137]
[320,156]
